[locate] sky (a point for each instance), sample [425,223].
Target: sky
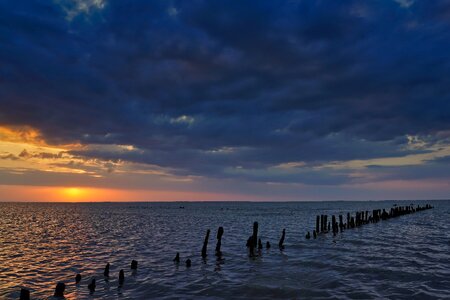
[109,100]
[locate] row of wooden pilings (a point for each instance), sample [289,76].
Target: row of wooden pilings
[323,226]
[361,218]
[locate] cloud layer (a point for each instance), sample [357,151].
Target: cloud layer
[264,92]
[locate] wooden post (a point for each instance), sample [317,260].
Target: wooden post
[77,279]
[24,294]
[121,277]
[333,220]
[188,263]
[280,243]
[177,258]
[205,244]
[317,223]
[348,220]
[59,290]
[106,271]
[91,286]
[255,234]
[134,265]
[219,241]
[341,223]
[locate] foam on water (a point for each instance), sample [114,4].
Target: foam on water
[401,258]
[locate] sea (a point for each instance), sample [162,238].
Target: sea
[41,244]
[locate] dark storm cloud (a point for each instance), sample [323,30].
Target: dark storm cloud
[276,81]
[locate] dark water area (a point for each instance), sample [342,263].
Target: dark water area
[44,243]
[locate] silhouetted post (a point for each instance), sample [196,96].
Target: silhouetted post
[219,241]
[367,216]
[255,234]
[260,246]
[91,286]
[322,224]
[314,234]
[121,277]
[188,263]
[308,235]
[280,243]
[177,258]
[59,290]
[134,265]
[325,217]
[77,279]
[205,244]
[348,220]
[341,223]
[267,245]
[317,223]
[333,220]
[106,272]
[24,294]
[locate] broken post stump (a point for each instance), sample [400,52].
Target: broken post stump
[121,277]
[177,258]
[134,265]
[59,289]
[24,294]
[92,285]
[106,271]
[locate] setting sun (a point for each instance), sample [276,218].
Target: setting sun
[74,194]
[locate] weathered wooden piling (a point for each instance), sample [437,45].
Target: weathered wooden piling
[205,244]
[333,220]
[280,243]
[219,241]
[188,263]
[121,277]
[267,245]
[106,271]
[92,285]
[260,245]
[177,258]
[348,220]
[24,294]
[77,278]
[134,265]
[361,218]
[317,223]
[255,234]
[59,290]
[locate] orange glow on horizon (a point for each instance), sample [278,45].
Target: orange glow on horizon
[90,194]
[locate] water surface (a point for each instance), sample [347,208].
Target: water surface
[43,243]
